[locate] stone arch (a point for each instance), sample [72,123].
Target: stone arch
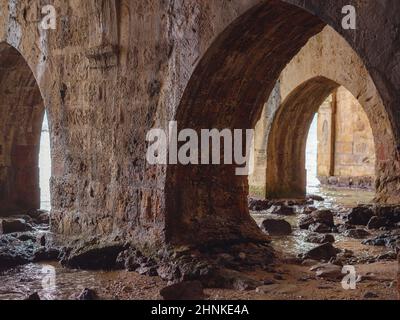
[227,90]
[286,174]
[22,110]
[326,61]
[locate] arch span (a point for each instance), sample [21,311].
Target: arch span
[326,62]
[21,118]
[228,90]
[286,174]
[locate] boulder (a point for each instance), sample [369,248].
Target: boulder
[40,216]
[189,290]
[230,279]
[390,240]
[320,228]
[14,252]
[322,252]
[87,294]
[274,227]
[97,256]
[33,297]
[8,226]
[259,205]
[320,238]
[391,213]
[328,271]
[324,217]
[315,198]
[371,295]
[306,210]
[356,233]
[376,223]
[305,222]
[282,210]
[46,254]
[360,216]
[341,228]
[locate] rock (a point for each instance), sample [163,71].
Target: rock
[282,210]
[320,238]
[370,295]
[305,222]
[357,233]
[46,254]
[315,198]
[390,240]
[14,252]
[276,227]
[344,227]
[8,226]
[360,216]
[320,228]
[189,290]
[267,289]
[308,262]
[306,210]
[28,236]
[33,297]
[391,214]
[295,202]
[324,217]
[328,271]
[96,256]
[376,223]
[322,252]
[269,282]
[87,294]
[230,279]
[40,216]
[388,256]
[279,277]
[259,205]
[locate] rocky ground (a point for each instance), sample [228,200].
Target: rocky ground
[310,252]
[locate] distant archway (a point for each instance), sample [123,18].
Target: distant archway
[286,173]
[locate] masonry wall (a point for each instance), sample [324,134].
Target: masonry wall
[346,150]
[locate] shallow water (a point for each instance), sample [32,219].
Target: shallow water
[337,200]
[50,281]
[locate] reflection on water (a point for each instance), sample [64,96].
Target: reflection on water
[50,281]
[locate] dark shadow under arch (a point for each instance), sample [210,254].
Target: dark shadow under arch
[21,118]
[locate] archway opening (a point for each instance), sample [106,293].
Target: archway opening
[341,151]
[21,113]
[313,184]
[45,166]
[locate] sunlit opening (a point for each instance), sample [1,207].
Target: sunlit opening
[45,166]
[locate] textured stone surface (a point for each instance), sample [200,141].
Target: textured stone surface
[346,149]
[114,69]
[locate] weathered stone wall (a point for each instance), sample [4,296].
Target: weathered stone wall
[114,69]
[346,150]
